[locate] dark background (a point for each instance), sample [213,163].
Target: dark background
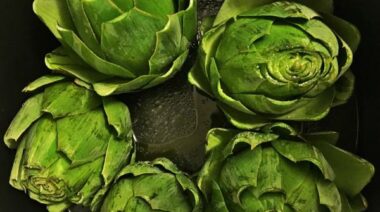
[24,41]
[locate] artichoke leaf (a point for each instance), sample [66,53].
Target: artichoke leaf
[314,109]
[168,45]
[321,32]
[61,61]
[160,8]
[95,61]
[17,168]
[253,139]
[232,8]
[349,32]
[83,25]
[53,13]
[138,204]
[266,105]
[102,11]
[282,9]
[360,171]
[94,137]
[93,184]
[162,187]
[198,78]
[297,152]
[219,93]
[188,16]
[142,82]
[217,202]
[29,113]
[329,195]
[41,144]
[175,67]
[242,120]
[122,32]
[42,82]
[208,47]
[330,137]
[344,88]
[110,87]
[117,149]
[121,195]
[59,207]
[118,117]
[65,98]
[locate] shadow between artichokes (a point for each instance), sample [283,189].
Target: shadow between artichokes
[274,169]
[276,60]
[153,186]
[119,46]
[70,143]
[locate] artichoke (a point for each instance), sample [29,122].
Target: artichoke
[277,61]
[70,143]
[152,186]
[119,46]
[275,169]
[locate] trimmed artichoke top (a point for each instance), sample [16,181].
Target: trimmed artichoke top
[152,186]
[70,143]
[119,46]
[274,169]
[278,61]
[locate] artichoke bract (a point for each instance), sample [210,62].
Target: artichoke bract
[274,169]
[119,46]
[277,61]
[152,186]
[70,143]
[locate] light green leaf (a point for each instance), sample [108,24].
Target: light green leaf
[66,98]
[90,130]
[298,152]
[29,113]
[85,53]
[118,117]
[314,110]
[118,154]
[16,178]
[62,62]
[168,46]
[242,120]
[137,42]
[112,87]
[42,82]
[352,173]
[83,26]
[53,13]
[41,144]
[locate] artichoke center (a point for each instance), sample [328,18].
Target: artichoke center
[295,66]
[51,188]
[299,64]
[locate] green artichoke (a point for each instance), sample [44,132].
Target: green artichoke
[152,186]
[119,46]
[275,170]
[71,143]
[278,61]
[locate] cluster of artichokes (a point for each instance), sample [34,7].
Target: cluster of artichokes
[264,62]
